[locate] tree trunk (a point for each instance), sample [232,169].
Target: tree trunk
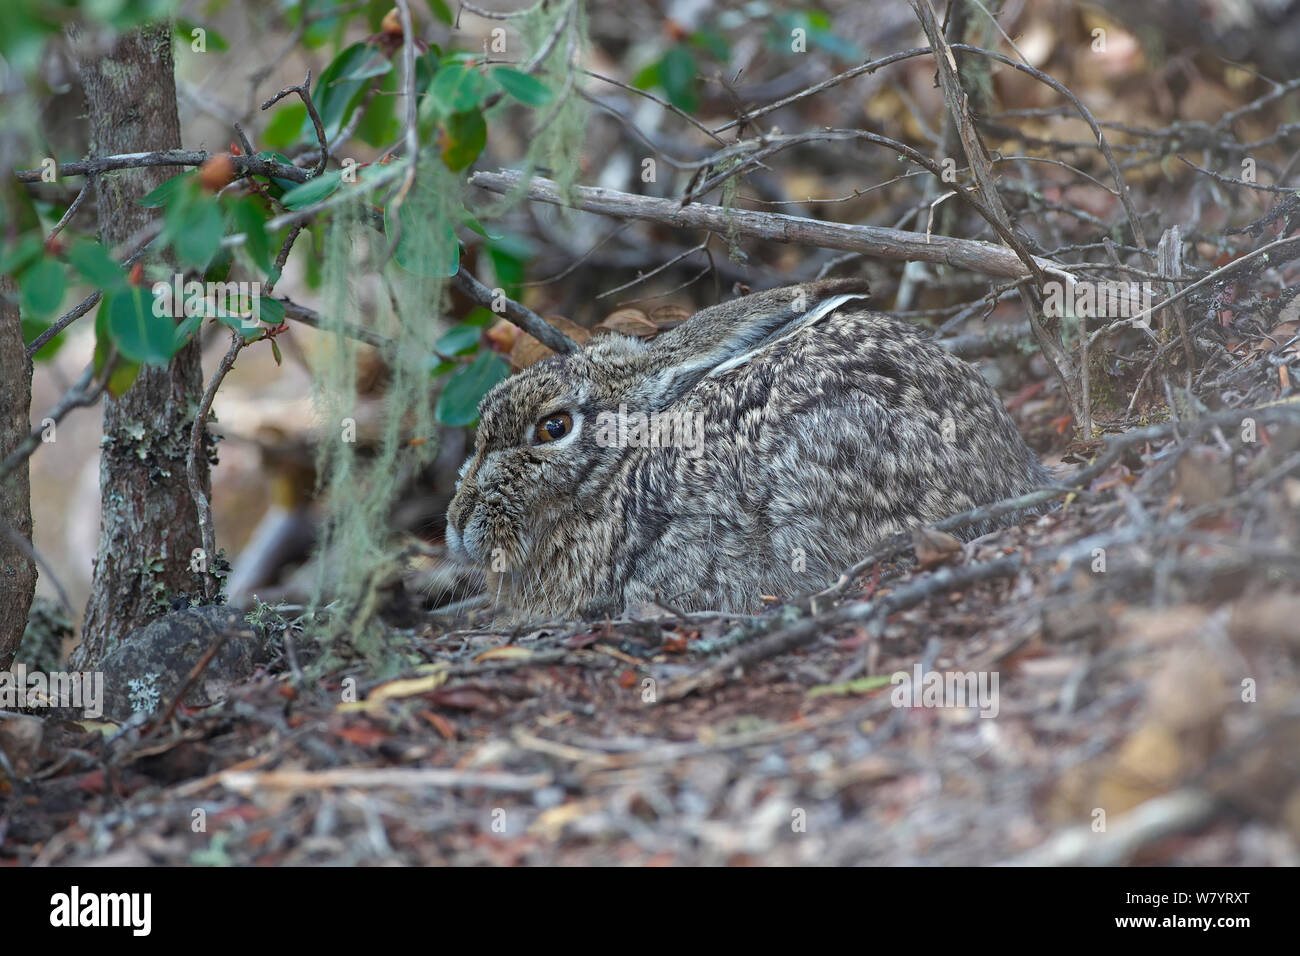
[148,524]
[17,570]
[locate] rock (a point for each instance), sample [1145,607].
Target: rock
[150,665]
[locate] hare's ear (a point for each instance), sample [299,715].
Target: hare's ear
[726,335]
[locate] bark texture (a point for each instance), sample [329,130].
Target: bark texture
[148,525]
[17,570]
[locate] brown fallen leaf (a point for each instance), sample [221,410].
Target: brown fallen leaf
[446,729]
[628,322]
[502,335]
[669,316]
[527,350]
[366,737]
[934,548]
[465,697]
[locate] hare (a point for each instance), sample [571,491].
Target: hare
[760,448]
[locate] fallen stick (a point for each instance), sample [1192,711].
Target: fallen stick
[1146,823]
[876,241]
[401,778]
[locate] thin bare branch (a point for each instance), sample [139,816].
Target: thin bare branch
[303,90]
[983,257]
[525,318]
[244,165]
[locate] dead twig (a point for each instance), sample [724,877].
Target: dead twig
[72,210]
[520,315]
[1290,245]
[303,90]
[1153,820]
[85,391]
[981,170]
[398,778]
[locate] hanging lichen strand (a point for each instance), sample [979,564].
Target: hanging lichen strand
[558,129]
[363,284]
[368,274]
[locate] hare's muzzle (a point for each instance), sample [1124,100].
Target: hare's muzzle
[454,544]
[460,513]
[468,524]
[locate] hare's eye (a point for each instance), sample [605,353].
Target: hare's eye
[553,426]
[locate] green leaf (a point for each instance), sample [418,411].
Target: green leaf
[320,32]
[647,76]
[185,33]
[480,316]
[42,287]
[526,89]
[284,184]
[458,340]
[18,213]
[380,125]
[194,229]
[137,332]
[465,388]
[423,247]
[270,309]
[677,73]
[247,217]
[124,371]
[439,369]
[470,220]
[218,269]
[162,194]
[336,94]
[837,45]
[510,254]
[308,246]
[863,685]
[95,265]
[286,126]
[375,66]
[441,11]
[14,259]
[456,89]
[466,135]
[103,341]
[124,375]
[313,190]
[426,67]
[185,331]
[238,323]
[33,327]
[713,42]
